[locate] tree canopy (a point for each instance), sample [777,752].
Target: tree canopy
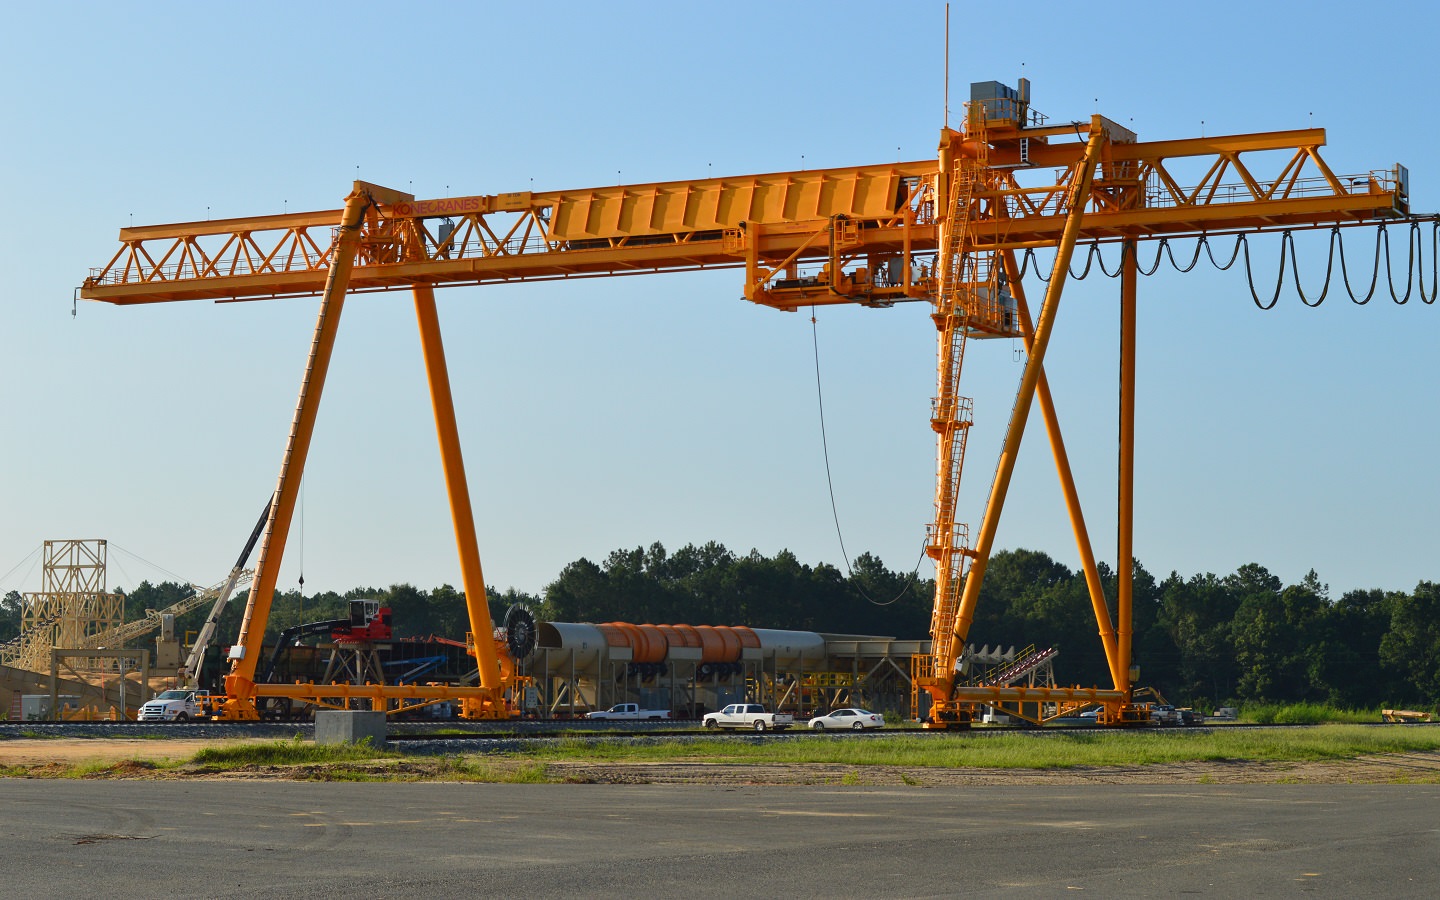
[1202,640]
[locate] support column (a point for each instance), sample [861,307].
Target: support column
[240,683]
[471,576]
[1125,551]
[1079,196]
[1067,480]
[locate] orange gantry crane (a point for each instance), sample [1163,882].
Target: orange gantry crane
[947,231]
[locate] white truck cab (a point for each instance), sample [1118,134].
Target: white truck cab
[176,706]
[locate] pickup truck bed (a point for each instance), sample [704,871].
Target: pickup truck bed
[748,715]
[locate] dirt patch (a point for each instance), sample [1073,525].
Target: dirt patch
[39,752]
[122,758]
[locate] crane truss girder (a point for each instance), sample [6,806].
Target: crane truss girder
[672,226]
[769,221]
[558,265]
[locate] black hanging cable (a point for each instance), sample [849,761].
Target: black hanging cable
[301,611]
[830,482]
[1329,269]
[1234,254]
[1170,251]
[1415,249]
[1279,277]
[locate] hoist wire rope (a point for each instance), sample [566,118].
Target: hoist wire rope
[1415,250]
[125,573]
[302,538]
[32,558]
[830,484]
[159,568]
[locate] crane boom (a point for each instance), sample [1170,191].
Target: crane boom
[190,671]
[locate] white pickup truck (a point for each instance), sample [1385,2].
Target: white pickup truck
[176,706]
[748,715]
[628,712]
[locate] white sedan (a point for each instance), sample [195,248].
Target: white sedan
[855,719]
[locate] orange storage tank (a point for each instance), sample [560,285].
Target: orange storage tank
[652,643]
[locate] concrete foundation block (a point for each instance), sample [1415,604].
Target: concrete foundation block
[349,726]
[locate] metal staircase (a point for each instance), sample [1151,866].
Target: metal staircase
[1026,662]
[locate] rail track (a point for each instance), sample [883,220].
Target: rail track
[450,737]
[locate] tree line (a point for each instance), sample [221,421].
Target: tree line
[1202,640]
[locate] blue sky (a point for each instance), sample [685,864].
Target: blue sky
[616,412]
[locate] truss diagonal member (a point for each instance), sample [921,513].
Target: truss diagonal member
[1079,194]
[1067,477]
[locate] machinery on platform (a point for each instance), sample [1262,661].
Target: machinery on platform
[948,232]
[360,654]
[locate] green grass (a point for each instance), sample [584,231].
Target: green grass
[1038,750]
[111,767]
[306,761]
[1032,750]
[286,753]
[1305,714]
[474,770]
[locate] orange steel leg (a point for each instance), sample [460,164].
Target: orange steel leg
[1067,479]
[473,580]
[1126,513]
[240,683]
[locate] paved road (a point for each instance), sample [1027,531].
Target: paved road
[271,839]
